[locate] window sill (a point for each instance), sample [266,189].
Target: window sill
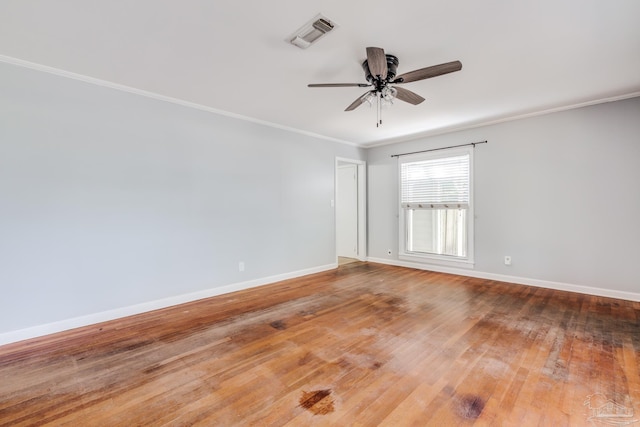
[436,260]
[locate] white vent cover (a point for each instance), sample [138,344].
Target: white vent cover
[311,32]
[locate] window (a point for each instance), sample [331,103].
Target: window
[436,219]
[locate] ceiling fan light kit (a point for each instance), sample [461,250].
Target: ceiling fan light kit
[380,71]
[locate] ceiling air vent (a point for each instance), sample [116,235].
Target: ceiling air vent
[311,32]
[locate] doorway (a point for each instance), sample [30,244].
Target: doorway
[350,210]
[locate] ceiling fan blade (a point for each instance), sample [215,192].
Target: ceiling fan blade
[358,102]
[408,96]
[338,85]
[377,61]
[428,72]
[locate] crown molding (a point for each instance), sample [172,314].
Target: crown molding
[505,119]
[164,98]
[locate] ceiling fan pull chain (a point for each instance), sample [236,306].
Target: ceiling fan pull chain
[379,111]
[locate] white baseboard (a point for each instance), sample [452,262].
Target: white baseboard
[104,316]
[610,293]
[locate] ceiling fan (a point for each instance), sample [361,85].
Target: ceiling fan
[380,71]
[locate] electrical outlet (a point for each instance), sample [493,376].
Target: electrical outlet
[388,251]
[507,260]
[241,266]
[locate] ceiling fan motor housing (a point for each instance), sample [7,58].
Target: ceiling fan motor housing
[392,66]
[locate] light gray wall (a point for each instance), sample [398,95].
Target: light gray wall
[559,193]
[110,199]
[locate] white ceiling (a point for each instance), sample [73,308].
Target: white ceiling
[519,57]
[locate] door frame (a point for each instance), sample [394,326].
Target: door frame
[361,168]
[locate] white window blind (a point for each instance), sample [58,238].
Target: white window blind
[437,183]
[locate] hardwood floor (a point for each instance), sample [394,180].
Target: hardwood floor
[366,344]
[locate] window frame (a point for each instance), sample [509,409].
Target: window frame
[444,260]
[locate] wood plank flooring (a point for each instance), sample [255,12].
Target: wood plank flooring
[363,345]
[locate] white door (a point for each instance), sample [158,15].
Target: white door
[347,211]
